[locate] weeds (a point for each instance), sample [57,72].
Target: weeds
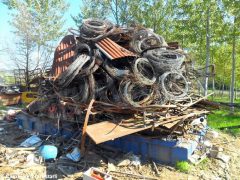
[203,164]
[183,166]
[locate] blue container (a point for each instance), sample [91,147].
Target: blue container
[162,151]
[48,152]
[34,124]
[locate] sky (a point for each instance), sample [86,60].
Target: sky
[6,30]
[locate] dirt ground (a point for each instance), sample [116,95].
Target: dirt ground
[16,163]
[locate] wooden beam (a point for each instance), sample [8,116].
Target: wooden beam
[82,148]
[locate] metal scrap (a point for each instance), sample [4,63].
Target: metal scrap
[136,80]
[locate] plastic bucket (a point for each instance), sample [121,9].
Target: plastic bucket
[48,152]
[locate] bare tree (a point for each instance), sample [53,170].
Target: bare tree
[23,53]
[38,25]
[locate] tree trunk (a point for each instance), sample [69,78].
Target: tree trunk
[222,88]
[27,64]
[213,86]
[207,52]
[27,73]
[235,92]
[117,15]
[233,67]
[229,92]
[38,54]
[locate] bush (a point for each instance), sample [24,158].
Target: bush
[183,166]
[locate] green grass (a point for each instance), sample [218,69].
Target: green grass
[224,99]
[223,120]
[3,107]
[183,166]
[204,164]
[22,106]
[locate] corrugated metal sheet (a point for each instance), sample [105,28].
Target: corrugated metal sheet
[63,55]
[112,50]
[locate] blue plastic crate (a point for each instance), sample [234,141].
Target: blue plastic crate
[162,151]
[34,124]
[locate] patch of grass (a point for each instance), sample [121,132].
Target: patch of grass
[3,107]
[223,120]
[22,105]
[203,164]
[222,98]
[183,166]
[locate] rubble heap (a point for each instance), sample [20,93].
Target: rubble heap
[132,78]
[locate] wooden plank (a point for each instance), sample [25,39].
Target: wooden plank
[200,99]
[169,125]
[106,130]
[10,99]
[82,147]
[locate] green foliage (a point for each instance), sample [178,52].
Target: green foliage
[92,9]
[117,10]
[44,19]
[154,14]
[183,166]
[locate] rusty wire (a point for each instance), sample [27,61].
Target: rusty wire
[174,85]
[95,29]
[164,60]
[133,85]
[144,72]
[154,78]
[155,82]
[145,39]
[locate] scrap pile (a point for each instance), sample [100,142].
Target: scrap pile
[132,78]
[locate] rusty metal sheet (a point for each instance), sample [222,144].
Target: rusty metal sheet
[63,55]
[112,50]
[106,130]
[10,99]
